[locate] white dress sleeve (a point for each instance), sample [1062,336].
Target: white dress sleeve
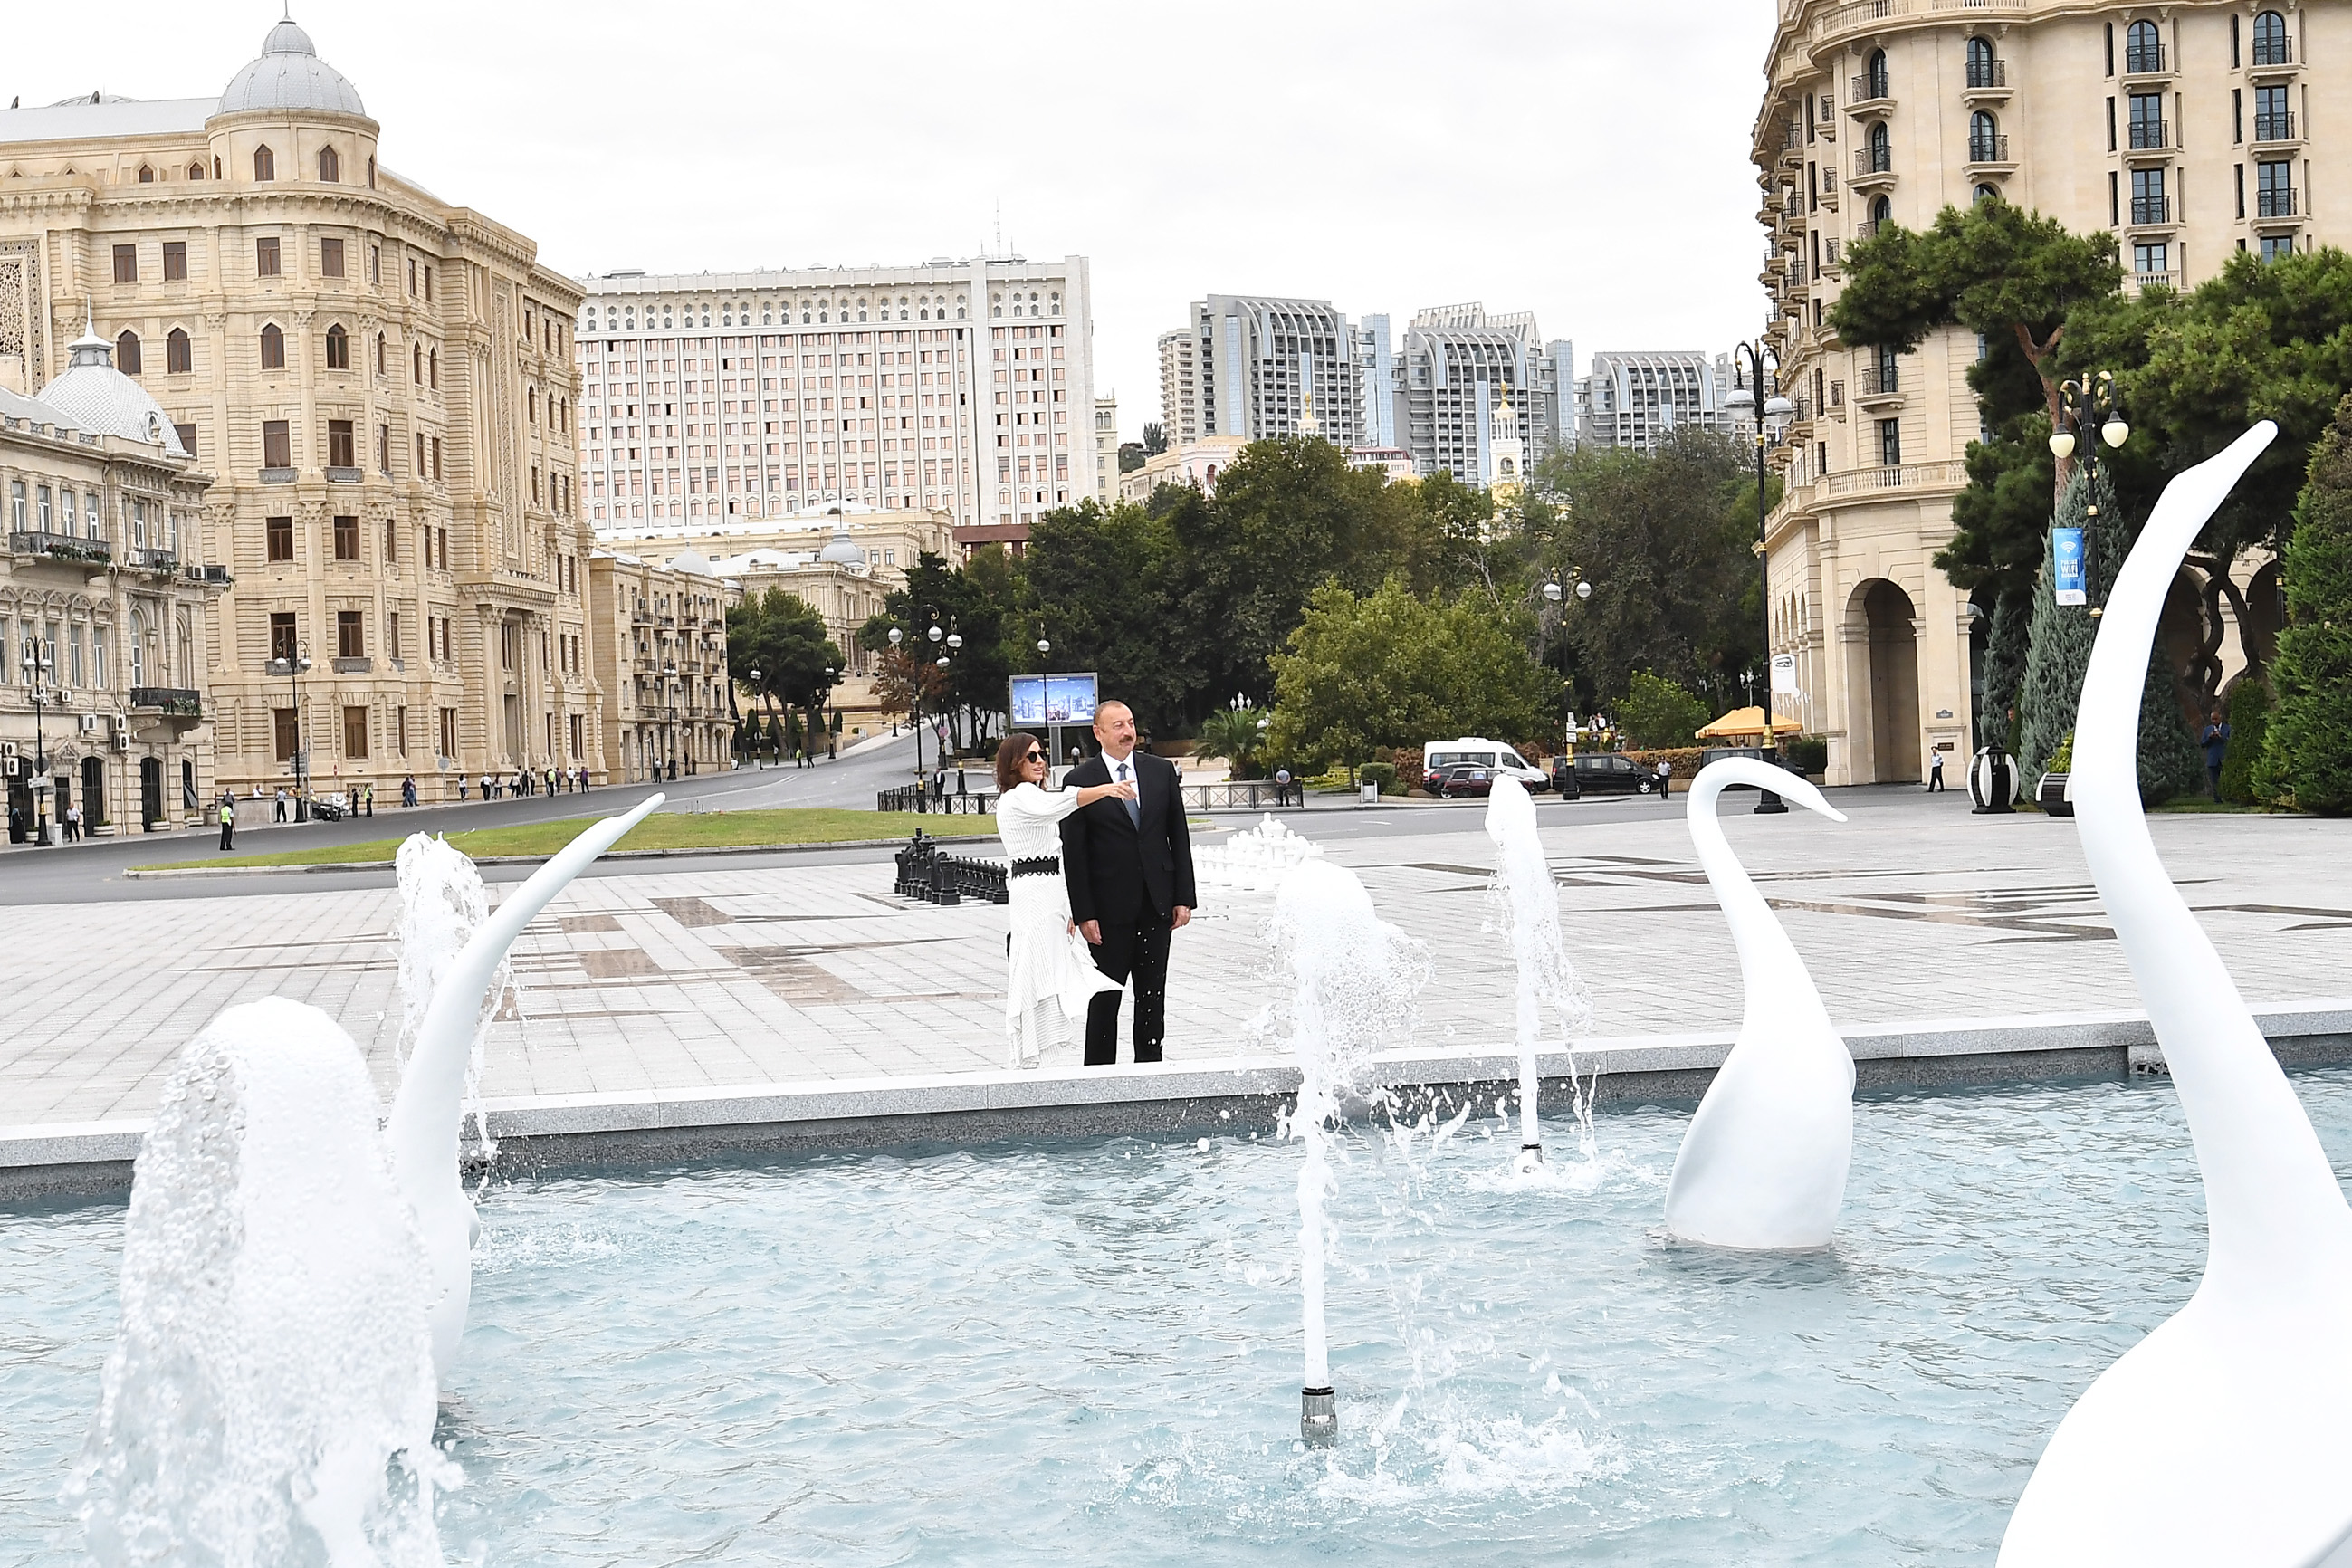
[1033,804]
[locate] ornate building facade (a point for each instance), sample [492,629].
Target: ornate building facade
[2191,132]
[383,386]
[103,629]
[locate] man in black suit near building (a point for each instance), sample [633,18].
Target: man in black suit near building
[1129,869]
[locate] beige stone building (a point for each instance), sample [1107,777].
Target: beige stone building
[104,614]
[1183,463]
[2191,130]
[383,384]
[660,652]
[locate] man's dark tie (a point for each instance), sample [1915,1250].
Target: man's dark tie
[1134,807]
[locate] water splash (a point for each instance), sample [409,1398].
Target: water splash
[269,1396]
[1352,980]
[442,904]
[1525,903]
[1254,861]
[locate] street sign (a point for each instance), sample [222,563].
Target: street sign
[2067,550]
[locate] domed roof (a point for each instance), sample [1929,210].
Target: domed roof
[841,550]
[290,75]
[92,394]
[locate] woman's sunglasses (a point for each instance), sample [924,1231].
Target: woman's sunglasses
[1034,756]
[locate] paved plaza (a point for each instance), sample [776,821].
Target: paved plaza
[712,977]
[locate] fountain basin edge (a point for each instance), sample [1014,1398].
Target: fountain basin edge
[1233,1095]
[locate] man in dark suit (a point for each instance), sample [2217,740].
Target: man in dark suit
[1129,868]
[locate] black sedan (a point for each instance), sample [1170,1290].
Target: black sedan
[1600,773]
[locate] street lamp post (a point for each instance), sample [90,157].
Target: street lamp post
[1556,591]
[294,664]
[2087,406]
[38,663]
[670,696]
[1770,410]
[756,762]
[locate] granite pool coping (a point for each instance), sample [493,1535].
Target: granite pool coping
[1229,1094]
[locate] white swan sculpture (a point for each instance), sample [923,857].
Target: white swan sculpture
[2226,1435]
[1763,1164]
[425,1113]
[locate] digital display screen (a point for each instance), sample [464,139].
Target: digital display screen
[1038,700]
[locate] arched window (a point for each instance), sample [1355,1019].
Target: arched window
[416,362]
[2144,47]
[379,353]
[1984,138]
[1984,68]
[126,352]
[1055,299]
[273,347]
[1881,213]
[531,403]
[432,370]
[2270,40]
[179,359]
[264,163]
[339,348]
[1882,149]
[1873,76]
[195,171]
[146,175]
[1986,194]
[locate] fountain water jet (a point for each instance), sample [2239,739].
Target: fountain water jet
[1353,976]
[2221,1437]
[1529,901]
[426,1113]
[272,1359]
[1763,1165]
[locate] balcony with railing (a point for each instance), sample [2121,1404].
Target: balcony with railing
[2155,278]
[61,547]
[171,702]
[2274,53]
[1988,76]
[1877,384]
[2144,59]
[2276,126]
[2151,212]
[1874,166]
[2146,135]
[2277,202]
[1989,149]
[1868,90]
[1952,476]
[162,562]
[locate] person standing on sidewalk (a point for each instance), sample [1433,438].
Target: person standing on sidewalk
[1666,781]
[1934,771]
[228,820]
[280,808]
[408,790]
[2215,740]
[1282,786]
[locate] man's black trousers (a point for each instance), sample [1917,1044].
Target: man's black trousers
[1137,948]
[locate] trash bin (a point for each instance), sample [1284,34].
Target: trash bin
[1368,793]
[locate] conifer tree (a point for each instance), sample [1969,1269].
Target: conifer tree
[2058,649]
[2307,759]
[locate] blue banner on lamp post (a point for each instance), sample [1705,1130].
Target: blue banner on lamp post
[2067,547]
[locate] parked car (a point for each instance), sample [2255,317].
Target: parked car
[1464,780]
[1472,750]
[1600,773]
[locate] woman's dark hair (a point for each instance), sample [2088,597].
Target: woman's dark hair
[1009,757]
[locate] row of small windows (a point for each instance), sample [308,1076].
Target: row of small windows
[623,318]
[2142,53]
[265,167]
[180,360]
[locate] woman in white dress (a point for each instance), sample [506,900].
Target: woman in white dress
[1052,974]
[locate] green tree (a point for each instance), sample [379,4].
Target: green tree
[1131,457]
[1658,713]
[1669,553]
[1393,668]
[2004,667]
[1233,734]
[1993,268]
[1105,585]
[777,634]
[2249,721]
[1155,440]
[2307,759]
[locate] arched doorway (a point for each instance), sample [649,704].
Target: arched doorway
[1894,659]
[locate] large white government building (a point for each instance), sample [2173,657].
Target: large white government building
[961,388]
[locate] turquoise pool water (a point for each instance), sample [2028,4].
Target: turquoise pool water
[1086,1351]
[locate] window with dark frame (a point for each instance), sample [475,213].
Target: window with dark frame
[347,538]
[339,348]
[187,435]
[277,445]
[264,163]
[331,166]
[340,451]
[286,730]
[126,352]
[284,641]
[273,347]
[175,261]
[265,256]
[279,533]
[355,733]
[179,355]
[349,641]
[126,263]
[330,258]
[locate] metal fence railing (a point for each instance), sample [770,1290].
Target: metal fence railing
[918,797]
[928,873]
[1242,794]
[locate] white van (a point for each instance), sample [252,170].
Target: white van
[1436,756]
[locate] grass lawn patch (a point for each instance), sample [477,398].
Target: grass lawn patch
[663,830]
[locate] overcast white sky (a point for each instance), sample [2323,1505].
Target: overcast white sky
[1586,161]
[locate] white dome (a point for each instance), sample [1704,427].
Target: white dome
[92,396]
[290,75]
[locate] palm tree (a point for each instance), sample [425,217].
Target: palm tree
[1233,733]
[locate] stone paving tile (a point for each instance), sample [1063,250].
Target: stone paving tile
[724,977]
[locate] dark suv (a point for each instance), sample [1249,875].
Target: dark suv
[1600,773]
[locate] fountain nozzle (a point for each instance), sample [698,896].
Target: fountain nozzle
[1531,1157]
[1318,1416]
